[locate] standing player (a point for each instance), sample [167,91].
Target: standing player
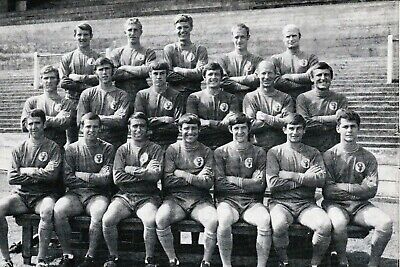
[35,168]
[107,101]
[162,105]
[137,168]
[185,59]
[267,108]
[239,65]
[57,109]
[294,170]
[320,107]
[77,72]
[87,176]
[352,180]
[214,106]
[239,190]
[292,65]
[132,60]
[186,184]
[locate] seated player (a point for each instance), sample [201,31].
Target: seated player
[132,61]
[352,179]
[214,106]
[267,108]
[137,168]
[188,177]
[57,109]
[292,66]
[35,168]
[294,171]
[239,190]
[162,105]
[185,59]
[107,101]
[239,65]
[320,107]
[87,176]
[77,72]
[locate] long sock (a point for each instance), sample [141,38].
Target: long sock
[95,234]
[379,241]
[340,242]
[150,240]
[225,242]
[263,246]
[111,237]
[45,230]
[320,245]
[210,240]
[4,238]
[167,242]
[281,242]
[63,230]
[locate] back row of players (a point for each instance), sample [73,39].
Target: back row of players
[241,169]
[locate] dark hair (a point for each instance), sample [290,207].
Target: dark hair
[103,61]
[321,66]
[139,116]
[295,119]
[189,118]
[162,65]
[47,69]
[84,27]
[239,118]
[184,18]
[349,115]
[89,116]
[212,66]
[37,113]
[241,26]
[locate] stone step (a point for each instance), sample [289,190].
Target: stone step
[372,93]
[10,130]
[377,119]
[378,125]
[363,84]
[391,103]
[364,98]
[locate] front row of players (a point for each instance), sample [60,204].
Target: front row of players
[239,171]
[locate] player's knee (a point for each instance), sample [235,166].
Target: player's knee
[46,214]
[384,225]
[323,226]
[263,221]
[279,227]
[211,223]
[339,225]
[109,219]
[225,220]
[163,219]
[149,219]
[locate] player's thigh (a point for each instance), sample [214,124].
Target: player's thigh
[227,215]
[45,207]
[316,219]
[371,216]
[206,214]
[97,206]
[281,218]
[68,206]
[116,212]
[257,215]
[339,218]
[147,214]
[12,205]
[168,213]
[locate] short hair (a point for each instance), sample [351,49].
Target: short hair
[84,27]
[162,65]
[184,18]
[103,61]
[349,115]
[291,27]
[239,118]
[322,66]
[241,26]
[295,119]
[133,21]
[189,118]
[266,63]
[212,66]
[138,116]
[37,113]
[89,116]
[48,69]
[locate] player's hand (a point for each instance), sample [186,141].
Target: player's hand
[166,119]
[177,69]
[131,169]
[63,113]
[260,115]
[339,112]
[314,169]
[204,123]
[105,170]
[287,76]
[28,170]
[206,172]
[179,173]
[285,175]
[75,77]
[52,165]
[154,166]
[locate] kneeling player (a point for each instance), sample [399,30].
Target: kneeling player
[351,181]
[294,171]
[137,168]
[187,180]
[239,190]
[35,167]
[88,176]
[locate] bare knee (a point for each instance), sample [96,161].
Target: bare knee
[109,219]
[163,217]
[339,225]
[385,225]
[323,226]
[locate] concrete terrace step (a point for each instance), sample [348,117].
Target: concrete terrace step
[377,119]
[378,125]
[375,103]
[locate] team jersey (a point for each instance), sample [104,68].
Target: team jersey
[247,163]
[298,160]
[141,58]
[80,157]
[130,155]
[46,157]
[78,62]
[288,63]
[113,108]
[192,160]
[319,109]
[191,58]
[58,117]
[275,103]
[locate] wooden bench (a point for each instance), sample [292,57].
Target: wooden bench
[131,245]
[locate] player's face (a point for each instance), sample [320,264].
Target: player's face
[348,130]
[190,132]
[267,76]
[91,129]
[35,127]
[82,37]
[240,132]
[133,33]
[213,78]
[50,81]
[294,132]
[138,129]
[291,38]
[183,30]
[104,72]
[240,38]
[322,79]
[159,77]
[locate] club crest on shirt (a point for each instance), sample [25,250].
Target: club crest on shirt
[113,105]
[333,105]
[303,62]
[277,107]
[43,156]
[360,167]
[248,67]
[90,61]
[305,163]
[144,158]
[57,107]
[190,57]
[168,105]
[248,163]
[98,158]
[224,107]
[198,162]
[140,57]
